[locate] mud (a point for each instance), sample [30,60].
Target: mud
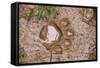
[77,40]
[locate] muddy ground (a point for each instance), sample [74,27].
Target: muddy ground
[78,44]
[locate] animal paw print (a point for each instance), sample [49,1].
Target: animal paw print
[63,31]
[67,34]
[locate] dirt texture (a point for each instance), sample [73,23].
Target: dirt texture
[71,36]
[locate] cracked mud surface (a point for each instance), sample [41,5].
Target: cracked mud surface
[71,37]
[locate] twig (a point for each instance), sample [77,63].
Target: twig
[50,56]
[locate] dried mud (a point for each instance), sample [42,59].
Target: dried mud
[77,42]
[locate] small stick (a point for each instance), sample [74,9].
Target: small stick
[50,56]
